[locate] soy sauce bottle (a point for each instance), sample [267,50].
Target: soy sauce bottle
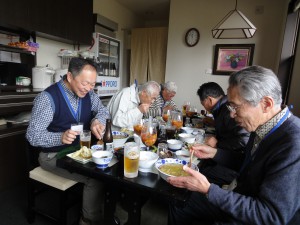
[108,137]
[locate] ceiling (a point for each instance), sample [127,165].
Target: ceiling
[148,9]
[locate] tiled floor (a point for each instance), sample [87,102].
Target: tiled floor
[13,204]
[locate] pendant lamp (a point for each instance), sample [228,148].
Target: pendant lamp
[235,25]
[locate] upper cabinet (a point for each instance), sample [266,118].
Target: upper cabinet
[69,21]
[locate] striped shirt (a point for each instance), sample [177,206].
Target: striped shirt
[43,113]
[157,106]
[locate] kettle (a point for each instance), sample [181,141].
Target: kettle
[42,76]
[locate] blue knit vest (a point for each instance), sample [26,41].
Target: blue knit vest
[63,117]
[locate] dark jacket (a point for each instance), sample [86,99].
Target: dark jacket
[232,140]
[268,190]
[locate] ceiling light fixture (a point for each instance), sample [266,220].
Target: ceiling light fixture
[235,25]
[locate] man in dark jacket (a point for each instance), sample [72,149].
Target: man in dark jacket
[266,191]
[230,139]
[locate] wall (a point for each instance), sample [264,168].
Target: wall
[47,53]
[186,66]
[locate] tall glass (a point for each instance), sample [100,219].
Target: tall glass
[149,135]
[191,111]
[184,106]
[131,159]
[165,114]
[137,127]
[177,120]
[85,138]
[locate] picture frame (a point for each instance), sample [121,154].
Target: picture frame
[229,58]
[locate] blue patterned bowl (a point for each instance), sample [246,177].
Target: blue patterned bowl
[161,162]
[102,158]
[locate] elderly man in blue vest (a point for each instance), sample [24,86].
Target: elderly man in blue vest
[71,100]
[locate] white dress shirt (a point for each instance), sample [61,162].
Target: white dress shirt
[123,108]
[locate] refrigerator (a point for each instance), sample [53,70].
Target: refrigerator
[107,55]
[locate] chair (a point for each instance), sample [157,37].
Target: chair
[42,181]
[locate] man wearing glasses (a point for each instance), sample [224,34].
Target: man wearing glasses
[229,140]
[69,101]
[266,191]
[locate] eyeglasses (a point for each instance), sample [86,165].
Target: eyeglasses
[85,83]
[233,109]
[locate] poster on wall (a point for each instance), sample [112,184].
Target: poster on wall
[229,58]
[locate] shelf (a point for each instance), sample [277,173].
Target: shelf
[7,48]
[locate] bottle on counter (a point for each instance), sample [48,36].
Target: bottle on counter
[108,137]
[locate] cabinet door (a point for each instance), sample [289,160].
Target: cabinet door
[48,17]
[14,13]
[80,21]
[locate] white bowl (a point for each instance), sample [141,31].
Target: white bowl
[188,138]
[187,130]
[147,160]
[174,144]
[102,158]
[161,162]
[183,155]
[119,142]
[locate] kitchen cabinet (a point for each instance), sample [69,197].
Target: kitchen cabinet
[69,21]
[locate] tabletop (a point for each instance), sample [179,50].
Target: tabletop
[141,187]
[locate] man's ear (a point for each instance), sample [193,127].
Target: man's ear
[69,77]
[268,103]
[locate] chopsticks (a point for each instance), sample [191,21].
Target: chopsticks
[191,158]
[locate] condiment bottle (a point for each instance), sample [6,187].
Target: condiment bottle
[108,137]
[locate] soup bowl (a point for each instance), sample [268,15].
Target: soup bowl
[171,162]
[102,158]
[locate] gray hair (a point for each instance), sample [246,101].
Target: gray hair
[151,88]
[256,82]
[170,86]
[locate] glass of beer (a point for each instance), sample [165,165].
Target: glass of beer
[85,138]
[131,159]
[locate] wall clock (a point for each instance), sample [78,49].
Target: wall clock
[192,37]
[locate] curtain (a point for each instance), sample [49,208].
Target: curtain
[148,54]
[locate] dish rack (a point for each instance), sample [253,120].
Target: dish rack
[65,60]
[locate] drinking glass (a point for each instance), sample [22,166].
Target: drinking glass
[184,106]
[85,138]
[162,147]
[149,135]
[170,132]
[177,120]
[137,127]
[191,111]
[131,159]
[165,114]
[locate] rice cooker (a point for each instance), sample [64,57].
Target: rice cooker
[42,76]
[59,73]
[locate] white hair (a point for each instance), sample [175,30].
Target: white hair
[170,86]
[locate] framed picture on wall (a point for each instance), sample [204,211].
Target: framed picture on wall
[232,57]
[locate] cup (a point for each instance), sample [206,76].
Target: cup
[170,132]
[77,127]
[162,147]
[131,159]
[85,138]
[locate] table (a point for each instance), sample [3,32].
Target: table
[136,189]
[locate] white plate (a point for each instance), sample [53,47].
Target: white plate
[79,159]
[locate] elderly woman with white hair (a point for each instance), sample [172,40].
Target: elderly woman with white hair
[164,100]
